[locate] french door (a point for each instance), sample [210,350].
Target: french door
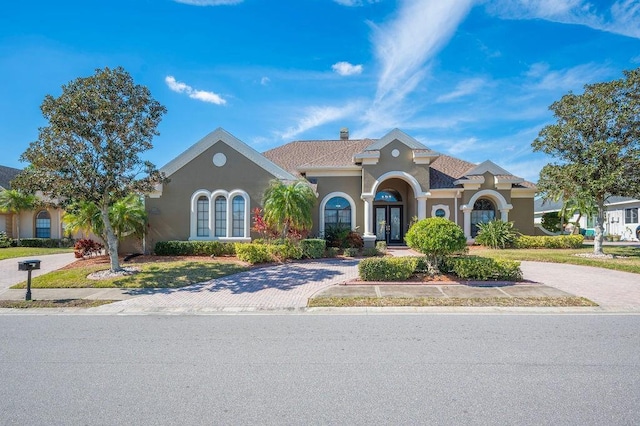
[388,224]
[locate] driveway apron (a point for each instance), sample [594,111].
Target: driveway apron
[285,286]
[9,274]
[609,289]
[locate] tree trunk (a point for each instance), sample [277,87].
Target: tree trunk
[111,240]
[18,228]
[599,237]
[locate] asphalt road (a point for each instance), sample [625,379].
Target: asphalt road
[320,369]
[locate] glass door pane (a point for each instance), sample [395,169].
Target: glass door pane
[395,217]
[381,221]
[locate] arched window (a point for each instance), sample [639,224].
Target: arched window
[43,224]
[337,212]
[238,210]
[483,211]
[220,213]
[203,216]
[388,195]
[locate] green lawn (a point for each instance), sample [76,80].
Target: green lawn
[316,302]
[152,275]
[628,258]
[13,252]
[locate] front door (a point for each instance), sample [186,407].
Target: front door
[388,224]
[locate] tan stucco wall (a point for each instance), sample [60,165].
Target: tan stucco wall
[450,202]
[349,185]
[169,215]
[388,163]
[522,215]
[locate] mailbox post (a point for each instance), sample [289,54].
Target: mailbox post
[28,265]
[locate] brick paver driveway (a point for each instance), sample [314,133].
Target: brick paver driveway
[285,286]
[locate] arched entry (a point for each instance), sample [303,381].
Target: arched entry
[388,215]
[483,211]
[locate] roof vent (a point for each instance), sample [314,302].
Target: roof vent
[344,133]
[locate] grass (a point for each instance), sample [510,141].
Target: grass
[627,258]
[62,303]
[13,252]
[342,302]
[174,274]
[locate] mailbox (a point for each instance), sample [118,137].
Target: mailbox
[28,265]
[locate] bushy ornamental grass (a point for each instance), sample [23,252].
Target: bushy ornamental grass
[496,234]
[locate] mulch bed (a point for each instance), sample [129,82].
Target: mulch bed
[104,260]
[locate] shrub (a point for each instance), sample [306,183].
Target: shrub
[558,241]
[370,252]
[4,240]
[482,268]
[336,235]
[194,248]
[313,248]
[496,234]
[354,240]
[387,268]
[551,221]
[87,247]
[381,246]
[350,252]
[253,253]
[282,251]
[331,251]
[436,237]
[46,242]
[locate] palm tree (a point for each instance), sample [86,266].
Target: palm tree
[288,206]
[84,216]
[14,201]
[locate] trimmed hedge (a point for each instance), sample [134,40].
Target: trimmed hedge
[558,241]
[482,268]
[387,268]
[194,248]
[313,248]
[253,253]
[284,251]
[45,242]
[350,252]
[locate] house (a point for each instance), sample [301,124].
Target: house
[621,217]
[374,186]
[44,222]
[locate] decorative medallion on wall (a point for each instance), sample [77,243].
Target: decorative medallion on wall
[395,153]
[219,159]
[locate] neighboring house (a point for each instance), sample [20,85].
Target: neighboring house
[39,223]
[621,217]
[373,186]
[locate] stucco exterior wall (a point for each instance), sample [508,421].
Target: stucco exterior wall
[388,163]
[350,185]
[169,215]
[450,203]
[522,215]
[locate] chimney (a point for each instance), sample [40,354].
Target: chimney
[344,134]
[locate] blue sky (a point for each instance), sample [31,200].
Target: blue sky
[472,79]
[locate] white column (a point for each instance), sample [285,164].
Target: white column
[467,221]
[422,206]
[504,215]
[368,214]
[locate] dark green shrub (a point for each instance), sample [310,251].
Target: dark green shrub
[253,253]
[350,252]
[284,250]
[194,248]
[558,241]
[551,221]
[46,242]
[387,268]
[436,237]
[496,234]
[4,240]
[313,248]
[336,236]
[482,268]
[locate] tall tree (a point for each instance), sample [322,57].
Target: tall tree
[14,201]
[90,150]
[289,206]
[596,141]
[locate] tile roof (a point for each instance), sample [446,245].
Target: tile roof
[6,176]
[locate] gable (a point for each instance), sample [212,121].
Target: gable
[221,135]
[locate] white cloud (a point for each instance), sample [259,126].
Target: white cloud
[345,68]
[464,88]
[209,2]
[201,95]
[265,80]
[352,3]
[623,17]
[404,45]
[317,116]
[542,78]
